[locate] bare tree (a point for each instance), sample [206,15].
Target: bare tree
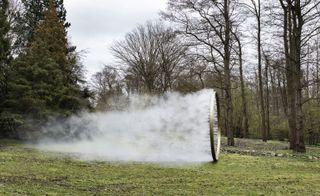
[301,24]
[245,120]
[207,25]
[107,85]
[150,54]
[171,57]
[254,8]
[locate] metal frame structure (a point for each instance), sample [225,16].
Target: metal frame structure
[215,135]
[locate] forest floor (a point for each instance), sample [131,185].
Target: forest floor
[251,168]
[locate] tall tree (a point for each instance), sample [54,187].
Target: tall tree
[255,9]
[42,81]
[4,48]
[267,93]
[245,120]
[208,27]
[301,24]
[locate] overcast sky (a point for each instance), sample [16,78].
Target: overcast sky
[97,23]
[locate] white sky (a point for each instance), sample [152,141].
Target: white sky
[95,24]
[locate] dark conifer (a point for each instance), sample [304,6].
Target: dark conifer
[4,49]
[41,83]
[32,14]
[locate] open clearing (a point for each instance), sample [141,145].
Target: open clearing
[269,170]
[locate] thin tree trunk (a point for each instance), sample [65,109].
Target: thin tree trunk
[262,104]
[227,74]
[284,94]
[267,106]
[317,67]
[245,121]
[275,94]
[307,94]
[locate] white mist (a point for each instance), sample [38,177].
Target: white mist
[173,128]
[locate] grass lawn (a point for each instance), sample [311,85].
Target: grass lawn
[25,171]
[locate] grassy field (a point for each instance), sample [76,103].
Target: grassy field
[253,168]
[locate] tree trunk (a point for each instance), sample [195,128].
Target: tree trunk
[227,74]
[262,104]
[275,92]
[245,121]
[267,106]
[293,25]
[318,72]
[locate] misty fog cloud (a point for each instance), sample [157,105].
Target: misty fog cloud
[173,128]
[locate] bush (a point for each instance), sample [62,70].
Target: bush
[9,124]
[279,128]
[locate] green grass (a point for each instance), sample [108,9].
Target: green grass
[270,149]
[25,171]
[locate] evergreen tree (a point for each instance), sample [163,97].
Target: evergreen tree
[4,48]
[42,81]
[32,14]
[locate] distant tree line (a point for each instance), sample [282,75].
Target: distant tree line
[261,57]
[41,72]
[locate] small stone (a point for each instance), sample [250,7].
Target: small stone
[310,157]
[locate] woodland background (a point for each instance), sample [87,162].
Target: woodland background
[263,58]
